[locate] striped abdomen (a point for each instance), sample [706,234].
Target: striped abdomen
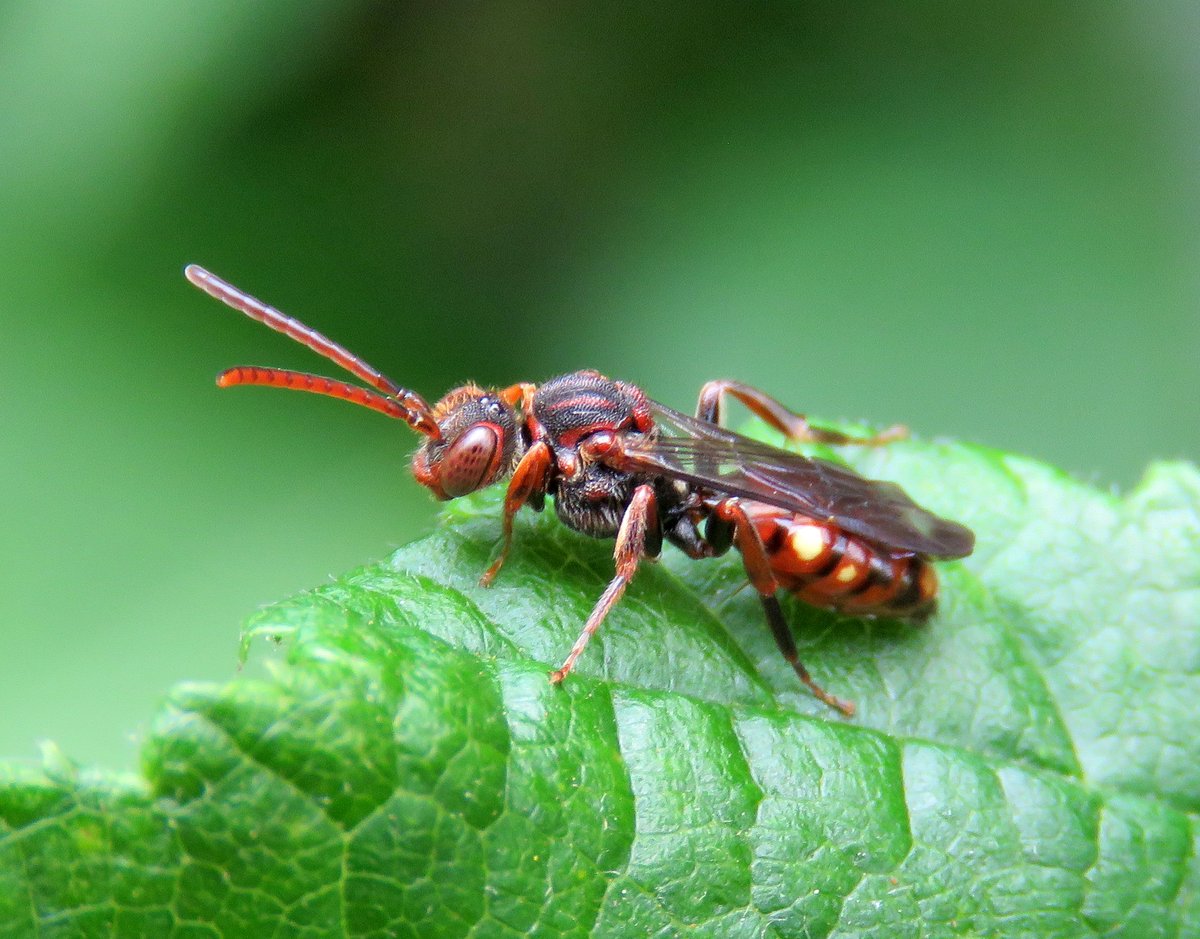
[825,566]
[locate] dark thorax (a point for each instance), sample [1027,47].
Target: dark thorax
[590,496]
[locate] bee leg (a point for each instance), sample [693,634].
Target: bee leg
[787,645]
[638,537]
[519,394]
[528,482]
[758,569]
[794,426]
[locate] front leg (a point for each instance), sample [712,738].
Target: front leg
[638,537]
[529,479]
[794,426]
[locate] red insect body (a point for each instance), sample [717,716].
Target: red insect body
[619,465]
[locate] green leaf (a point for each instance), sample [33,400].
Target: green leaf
[1027,764]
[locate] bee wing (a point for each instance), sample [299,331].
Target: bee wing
[717,459]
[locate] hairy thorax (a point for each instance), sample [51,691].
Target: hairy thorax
[595,500]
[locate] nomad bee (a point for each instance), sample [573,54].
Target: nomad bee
[620,465]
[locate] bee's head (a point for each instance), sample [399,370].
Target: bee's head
[478,443]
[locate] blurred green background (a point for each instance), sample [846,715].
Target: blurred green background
[981,221]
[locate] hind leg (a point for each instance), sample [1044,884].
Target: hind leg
[758,570]
[794,426]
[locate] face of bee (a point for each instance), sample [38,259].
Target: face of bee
[479,444]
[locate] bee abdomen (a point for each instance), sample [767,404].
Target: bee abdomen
[827,567]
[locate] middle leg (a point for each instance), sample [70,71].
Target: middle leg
[638,537]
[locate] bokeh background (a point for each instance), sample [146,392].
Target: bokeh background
[983,221]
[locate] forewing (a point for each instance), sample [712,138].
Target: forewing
[718,459]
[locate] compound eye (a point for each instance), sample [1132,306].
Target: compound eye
[470,462]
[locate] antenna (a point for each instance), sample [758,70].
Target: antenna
[395,401]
